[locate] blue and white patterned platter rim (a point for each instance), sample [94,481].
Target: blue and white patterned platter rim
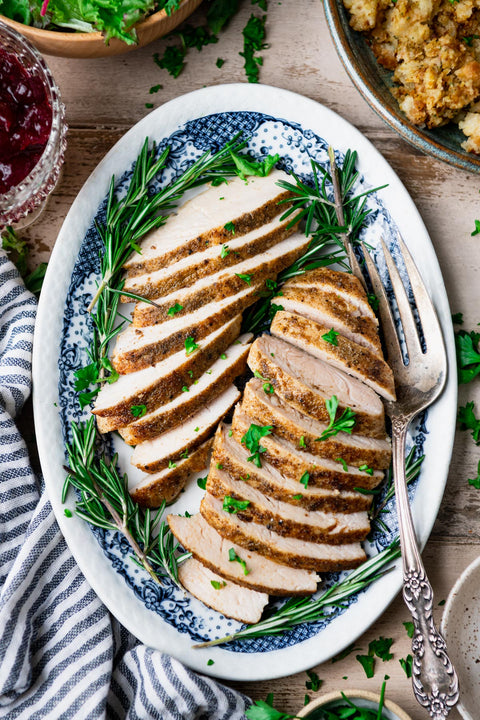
[297,128]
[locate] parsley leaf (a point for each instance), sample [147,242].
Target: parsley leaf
[407,665]
[174,309]
[331,337]
[225,251]
[232,505]
[351,648]
[477,228]
[264,710]
[381,648]
[247,165]
[202,483]
[410,628]
[219,62]
[345,422]
[233,557]
[252,438]
[267,385]
[171,465]
[218,585]
[253,41]
[245,277]
[219,13]
[468,357]
[230,227]
[364,468]
[368,664]
[314,681]
[457,318]
[190,345]
[138,411]
[305,478]
[475,482]
[343,463]
[467,420]
[172,60]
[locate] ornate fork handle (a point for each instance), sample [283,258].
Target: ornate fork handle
[434,679]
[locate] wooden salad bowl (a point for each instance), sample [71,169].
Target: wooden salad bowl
[92,45]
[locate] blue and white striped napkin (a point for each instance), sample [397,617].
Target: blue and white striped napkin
[61,653]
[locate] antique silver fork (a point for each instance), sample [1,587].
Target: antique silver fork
[417,385]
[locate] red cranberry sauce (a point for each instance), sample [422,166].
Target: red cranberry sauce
[25,121]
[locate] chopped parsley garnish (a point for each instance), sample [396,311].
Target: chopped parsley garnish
[172,60]
[245,277]
[247,166]
[219,466]
[171,465]
[267,385]
[230,433]
[345,422]
[220,62]
[373,301]
[364,468]
[185,388]
[210,662]
[190,372]
[202,482]
[218,585]
[185,454]
[457,318]
[138,411]
[196,429]
[468,39]
[297,497]
[477,228]
[305,478]
[475,482]
[223,356]
[407,665]
[253,41]
[468,357]
[368,664]
[174,309]
[233,557]
[232,505]
[381,648]
[410,628]
[331,337]
[301,442]
[155,89]
[351,648]
[314,682]
[67,513]
[252,438]
[467,420]
[149,106]
[247,477]
[230,227]
[225,251]
[343,463]
[190,345]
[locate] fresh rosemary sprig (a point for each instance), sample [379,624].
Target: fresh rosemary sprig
[297,611]
[319,209]
[413,467]
[106,503]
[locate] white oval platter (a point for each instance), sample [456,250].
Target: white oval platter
[120,593]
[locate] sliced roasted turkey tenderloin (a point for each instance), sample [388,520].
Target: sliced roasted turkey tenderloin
[320,557]
[226,597]
[224,283]
[161,383]
[201,221]
[188,270]
[306,382]
[209,386]
[166,485]
[334,312]
[213,551]
[154,455]
[138,348]
[234,459]
[346,355]
[346,285]
[284,518]
[303,431]
[293,462]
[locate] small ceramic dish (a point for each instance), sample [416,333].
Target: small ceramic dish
[461,628]
[92,45]
[362,698]
[374,82]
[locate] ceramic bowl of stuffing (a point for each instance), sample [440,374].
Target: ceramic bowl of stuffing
[444,72]
[74,44]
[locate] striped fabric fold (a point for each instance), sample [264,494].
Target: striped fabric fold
[61,653]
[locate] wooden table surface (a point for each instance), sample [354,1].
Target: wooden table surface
[105,97]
